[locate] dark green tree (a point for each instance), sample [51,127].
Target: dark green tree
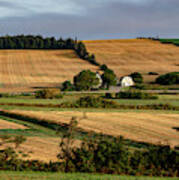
[109,78]
[103,67]
[85,80]
[47,43]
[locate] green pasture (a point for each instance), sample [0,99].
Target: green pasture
[6,175]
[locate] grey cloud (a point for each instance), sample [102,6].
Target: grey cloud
[112,19]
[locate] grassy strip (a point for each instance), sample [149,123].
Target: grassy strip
[6,175]
[33,129]
[170,41]
[119,106]
[85,109]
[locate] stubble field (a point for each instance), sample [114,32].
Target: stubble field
[147,127]
[127,56]
[22,70]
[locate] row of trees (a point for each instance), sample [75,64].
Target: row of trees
[38,42]
[35,42]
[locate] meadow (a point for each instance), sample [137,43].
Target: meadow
[61,176]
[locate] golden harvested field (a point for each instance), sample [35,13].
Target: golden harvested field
[21,70]
[42,149]
[10,125]
[127,56]
[147,127]
[39,148]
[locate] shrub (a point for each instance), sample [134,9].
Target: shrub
[153,73]
[108,95]
[95,102]
[67,86]
[134,95]
[137,77]
[48,94]
[141,86]
[168,79]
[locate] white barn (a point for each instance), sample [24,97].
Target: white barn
[127,81]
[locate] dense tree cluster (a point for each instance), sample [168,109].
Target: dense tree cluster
[85,80]
[38,42]
[168,79]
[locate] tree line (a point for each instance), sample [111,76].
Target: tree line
[38,42]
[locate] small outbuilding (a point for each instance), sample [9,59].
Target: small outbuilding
[127,81]
[98,76]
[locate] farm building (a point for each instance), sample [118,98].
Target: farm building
[100,81]
[127,81]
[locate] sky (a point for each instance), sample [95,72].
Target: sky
[90,19]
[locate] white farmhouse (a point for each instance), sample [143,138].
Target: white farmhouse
[100,81]
[127,81]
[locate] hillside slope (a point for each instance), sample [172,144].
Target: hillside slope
[21,70]
[126,56]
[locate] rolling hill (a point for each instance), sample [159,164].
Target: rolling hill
[127,56]
[22,70]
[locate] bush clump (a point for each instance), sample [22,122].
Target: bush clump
[134,95]
[168,79]
[68,86]
[153,73]
[48,94]
[137,77]
[95,102]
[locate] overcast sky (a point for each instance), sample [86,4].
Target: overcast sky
[90,19]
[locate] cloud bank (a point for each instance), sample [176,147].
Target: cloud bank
[90,19]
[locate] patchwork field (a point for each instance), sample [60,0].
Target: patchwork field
[127,56]
[147,127]
[21,70]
